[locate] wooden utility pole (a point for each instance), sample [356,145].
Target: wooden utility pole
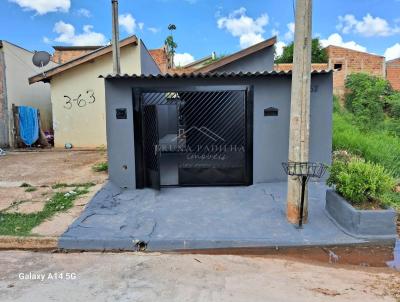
[115,38]
[300,105]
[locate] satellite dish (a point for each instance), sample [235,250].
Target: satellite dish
[41,58]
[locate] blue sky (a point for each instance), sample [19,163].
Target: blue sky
[203,26]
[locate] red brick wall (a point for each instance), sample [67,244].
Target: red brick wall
[161,58]
[393,73]
[288,67]
[63,56]
[352,62]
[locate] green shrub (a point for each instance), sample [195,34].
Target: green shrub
[359,181]
[393,105]
[366,98]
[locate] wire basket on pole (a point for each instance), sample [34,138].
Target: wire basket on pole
[304,171]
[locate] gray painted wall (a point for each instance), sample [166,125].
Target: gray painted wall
[147,64]
[271,134]
[262,60]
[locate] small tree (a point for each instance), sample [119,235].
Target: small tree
[318,53]
[365,98]
[171,44]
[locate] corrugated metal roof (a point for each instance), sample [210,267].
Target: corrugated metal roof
[206,75]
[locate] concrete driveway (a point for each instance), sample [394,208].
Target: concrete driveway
[198,218]
[172,277]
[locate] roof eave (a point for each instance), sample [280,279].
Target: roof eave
[238,55]
[46,76]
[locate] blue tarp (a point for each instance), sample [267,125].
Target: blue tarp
[28,124]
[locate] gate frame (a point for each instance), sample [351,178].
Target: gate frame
[138,125]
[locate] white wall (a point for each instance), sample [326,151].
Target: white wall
[85,126]
[19,67]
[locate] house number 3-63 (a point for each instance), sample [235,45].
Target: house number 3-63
[81,100]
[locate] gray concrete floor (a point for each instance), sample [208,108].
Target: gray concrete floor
[200,217]
[157,277]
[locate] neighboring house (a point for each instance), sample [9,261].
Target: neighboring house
[393,73]
[258,57]
[77,93]
[15,68]
[347,61]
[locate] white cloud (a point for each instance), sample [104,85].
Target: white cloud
[275,32]
[83,12]
[248,30]
[44,6]
[393,52]
[154,30]
[46,40]
[182,59]
[66,34]
[337,40]
[279,48]
[129,24]
[290,33]
[369,26]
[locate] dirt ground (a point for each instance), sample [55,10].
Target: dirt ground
[42,169]
[172,277]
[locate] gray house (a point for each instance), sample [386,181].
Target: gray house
[223,124]
[15,68]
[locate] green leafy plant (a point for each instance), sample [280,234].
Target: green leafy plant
[318,53]
[359,181]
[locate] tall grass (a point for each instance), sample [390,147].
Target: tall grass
[374,145]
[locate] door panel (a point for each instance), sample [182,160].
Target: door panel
[150,147]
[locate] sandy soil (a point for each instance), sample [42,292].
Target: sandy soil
[41,170]
[171,277]
[50,167]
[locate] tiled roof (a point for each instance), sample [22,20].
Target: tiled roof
[206,75]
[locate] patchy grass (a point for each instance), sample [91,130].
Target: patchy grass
[31,189]
[376,146]
[101,167]
[17,224]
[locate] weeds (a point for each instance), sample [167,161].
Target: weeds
[376,146]
[101,167]
[25,185]
[64,185]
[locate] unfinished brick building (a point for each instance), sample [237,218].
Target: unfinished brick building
[393,73]
[63,54]
[348,61]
